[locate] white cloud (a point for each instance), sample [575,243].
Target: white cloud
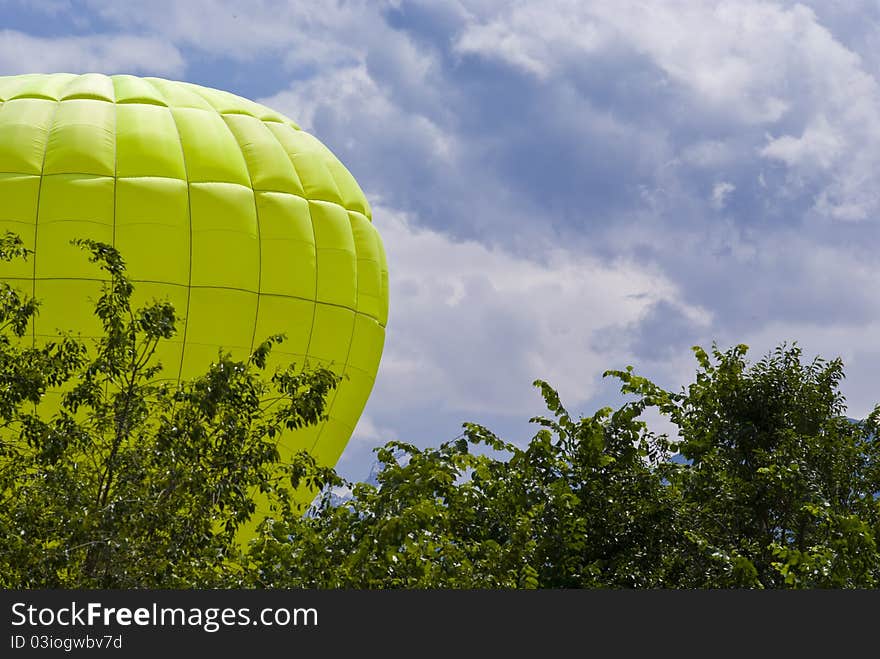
[23,53]
[307,31]
[471,327]
[719,50]
[720,192]
[367,431]
[818,147]
[711,153]
[531,35]
[747,62]
[352,96]
[355,461]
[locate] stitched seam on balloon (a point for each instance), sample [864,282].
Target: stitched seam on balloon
[225,113]
[269,190]
[374,236]
[146,223]
[41,77]
[37,216]
[272,295]
[123,178]
[42,97]
[177,87]
[46,225]
[357,259]
[283,296]
[289,157]
[267,114]
[88,97]
[346,364]
[259,233]
[189,222]
[115,133]
[345,367]
[134,100]
[115,158]
[314,235]
[112,175]
[85,84]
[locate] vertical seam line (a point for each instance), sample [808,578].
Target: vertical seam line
[346,363]
[314,239]
[256,216]
[37,216]
[162,95]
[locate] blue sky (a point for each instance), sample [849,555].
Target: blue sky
[562,186]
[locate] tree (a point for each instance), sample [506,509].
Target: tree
[781,488]
[135,482]
[778,489]
[584,505]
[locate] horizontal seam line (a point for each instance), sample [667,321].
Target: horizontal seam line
[201,287]
[189,182]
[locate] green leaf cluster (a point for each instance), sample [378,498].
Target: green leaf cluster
[766,484]
[111,477]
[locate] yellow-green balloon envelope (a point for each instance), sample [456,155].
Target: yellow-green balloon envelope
[247,224]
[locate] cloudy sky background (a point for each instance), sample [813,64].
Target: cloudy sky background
[563,186]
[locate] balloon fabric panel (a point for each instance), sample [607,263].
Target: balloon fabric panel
[247,224]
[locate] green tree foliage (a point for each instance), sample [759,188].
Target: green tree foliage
[782,488]
[581,506]
[136,482]
[777,489]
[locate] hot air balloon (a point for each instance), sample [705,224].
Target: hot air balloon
[247,224]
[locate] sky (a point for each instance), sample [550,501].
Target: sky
[562,186]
